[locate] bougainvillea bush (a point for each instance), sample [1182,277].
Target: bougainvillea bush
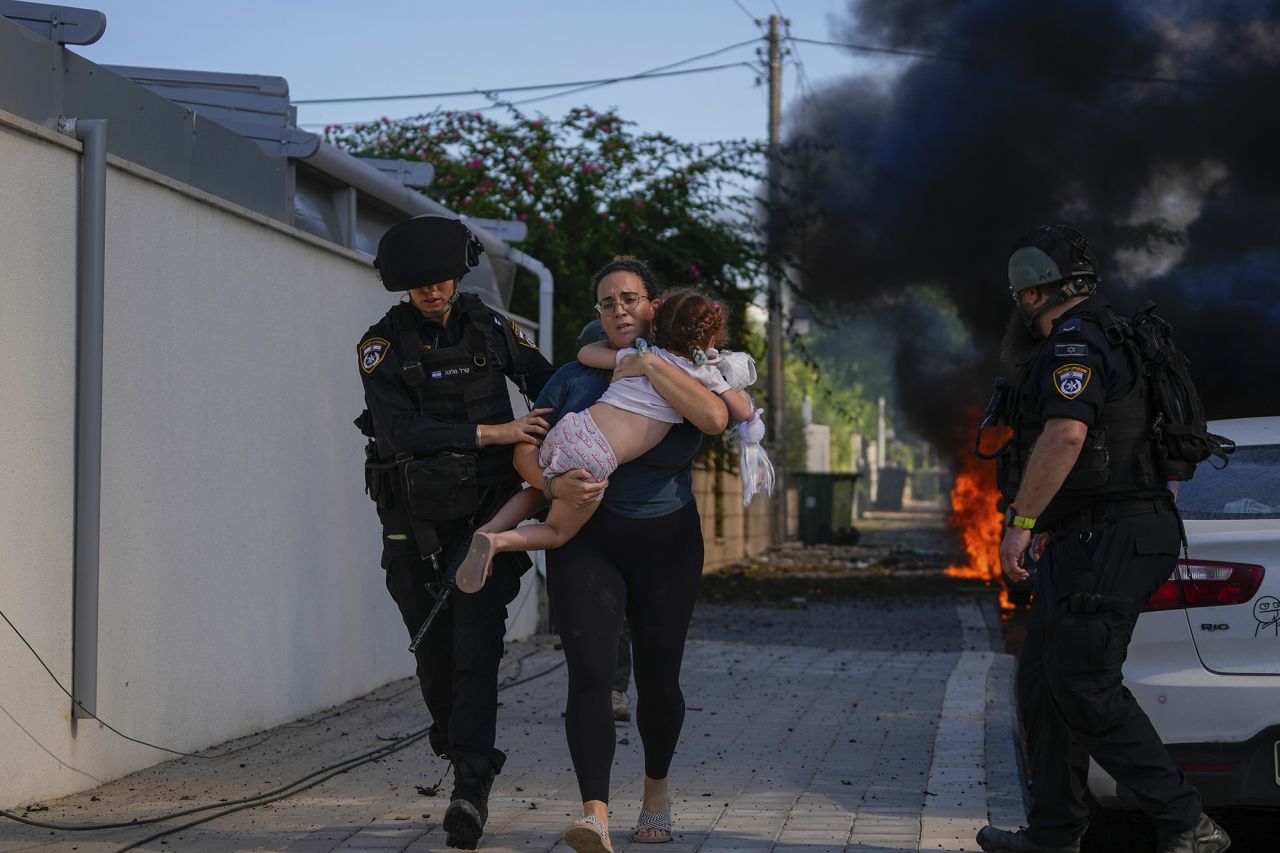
[590,186]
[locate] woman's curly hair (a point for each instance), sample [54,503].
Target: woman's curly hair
[686,319]
[626,263]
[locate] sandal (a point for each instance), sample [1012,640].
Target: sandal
[475,566]
[588,835]
[658,823]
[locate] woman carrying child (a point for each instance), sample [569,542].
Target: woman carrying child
[639,554]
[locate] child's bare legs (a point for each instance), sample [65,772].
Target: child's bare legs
[479,560]
[562,524]
[501,534]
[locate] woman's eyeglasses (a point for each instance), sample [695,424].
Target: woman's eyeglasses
[627,300]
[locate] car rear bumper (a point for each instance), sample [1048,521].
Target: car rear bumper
[1244,773]
[1234,774]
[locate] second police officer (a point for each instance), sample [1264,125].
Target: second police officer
[435,372]
[1082,476]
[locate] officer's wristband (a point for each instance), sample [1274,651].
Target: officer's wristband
[479,438]
[1012,519]
[546,486]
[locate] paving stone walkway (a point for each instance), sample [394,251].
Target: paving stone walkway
[856,726]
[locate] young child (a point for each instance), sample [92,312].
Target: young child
[629,420]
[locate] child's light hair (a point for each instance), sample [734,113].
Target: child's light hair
[687,319]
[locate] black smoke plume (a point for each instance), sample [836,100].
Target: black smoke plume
[1151,126]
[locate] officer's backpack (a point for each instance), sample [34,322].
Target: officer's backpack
[1181,436]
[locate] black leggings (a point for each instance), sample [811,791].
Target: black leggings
[647,569]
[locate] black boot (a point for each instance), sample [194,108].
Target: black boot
[993,840]
[1205,837]
[472,780]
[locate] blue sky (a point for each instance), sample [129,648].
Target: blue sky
[330,49]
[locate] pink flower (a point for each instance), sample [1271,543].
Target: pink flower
[622,228]
[538,122]
[522,216]
[466,201]
[639,204]
[386,121]
[693,269]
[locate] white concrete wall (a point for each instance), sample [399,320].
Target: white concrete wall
[240,585]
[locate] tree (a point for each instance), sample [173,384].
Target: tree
[589,186]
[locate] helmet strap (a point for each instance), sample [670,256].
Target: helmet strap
[1069,289]
[448,305]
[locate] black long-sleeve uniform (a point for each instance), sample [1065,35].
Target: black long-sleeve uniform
[465,361]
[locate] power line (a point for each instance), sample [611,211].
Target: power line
[868,48]
[644,75]
[500,104]
[530,88]
[747,12]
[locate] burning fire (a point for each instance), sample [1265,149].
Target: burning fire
[975,517]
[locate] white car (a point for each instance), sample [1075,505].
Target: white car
[1205,659]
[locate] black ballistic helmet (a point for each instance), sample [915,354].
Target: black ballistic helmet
[1048,255]
[425,250]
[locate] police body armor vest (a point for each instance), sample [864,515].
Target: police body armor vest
[463,384]
[1118,456]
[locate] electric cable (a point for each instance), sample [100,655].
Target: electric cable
[747,12]
[81,706]
[395,745]
[383,752]
[143,821]
[532,87]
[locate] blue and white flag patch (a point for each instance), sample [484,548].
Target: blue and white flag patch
[1071,350]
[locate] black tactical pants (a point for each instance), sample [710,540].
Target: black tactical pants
[1090,586]
[458,659]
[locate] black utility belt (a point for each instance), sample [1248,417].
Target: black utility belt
[440,487]
[1103,514]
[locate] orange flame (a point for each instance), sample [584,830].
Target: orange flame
[974,515]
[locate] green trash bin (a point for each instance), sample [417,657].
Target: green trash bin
[825,507]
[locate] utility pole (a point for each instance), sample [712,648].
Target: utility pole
[777,385]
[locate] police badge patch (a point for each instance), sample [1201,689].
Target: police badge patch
[521,337]
[372,352]
[1071,379]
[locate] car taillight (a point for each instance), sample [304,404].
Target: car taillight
[1206,583]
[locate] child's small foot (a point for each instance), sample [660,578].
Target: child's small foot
[475,568]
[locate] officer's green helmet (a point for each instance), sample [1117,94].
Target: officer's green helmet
[1048,255]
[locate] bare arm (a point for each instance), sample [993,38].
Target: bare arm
[693,400]
[738,403]
[1051,460]
[599,355]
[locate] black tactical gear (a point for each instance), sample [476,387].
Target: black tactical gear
[1048,255]
[1084,371]
[427,387]
[427,384]
[426,250]
[1114,536]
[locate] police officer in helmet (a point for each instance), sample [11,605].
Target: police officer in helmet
[1088,509]
[435,372]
